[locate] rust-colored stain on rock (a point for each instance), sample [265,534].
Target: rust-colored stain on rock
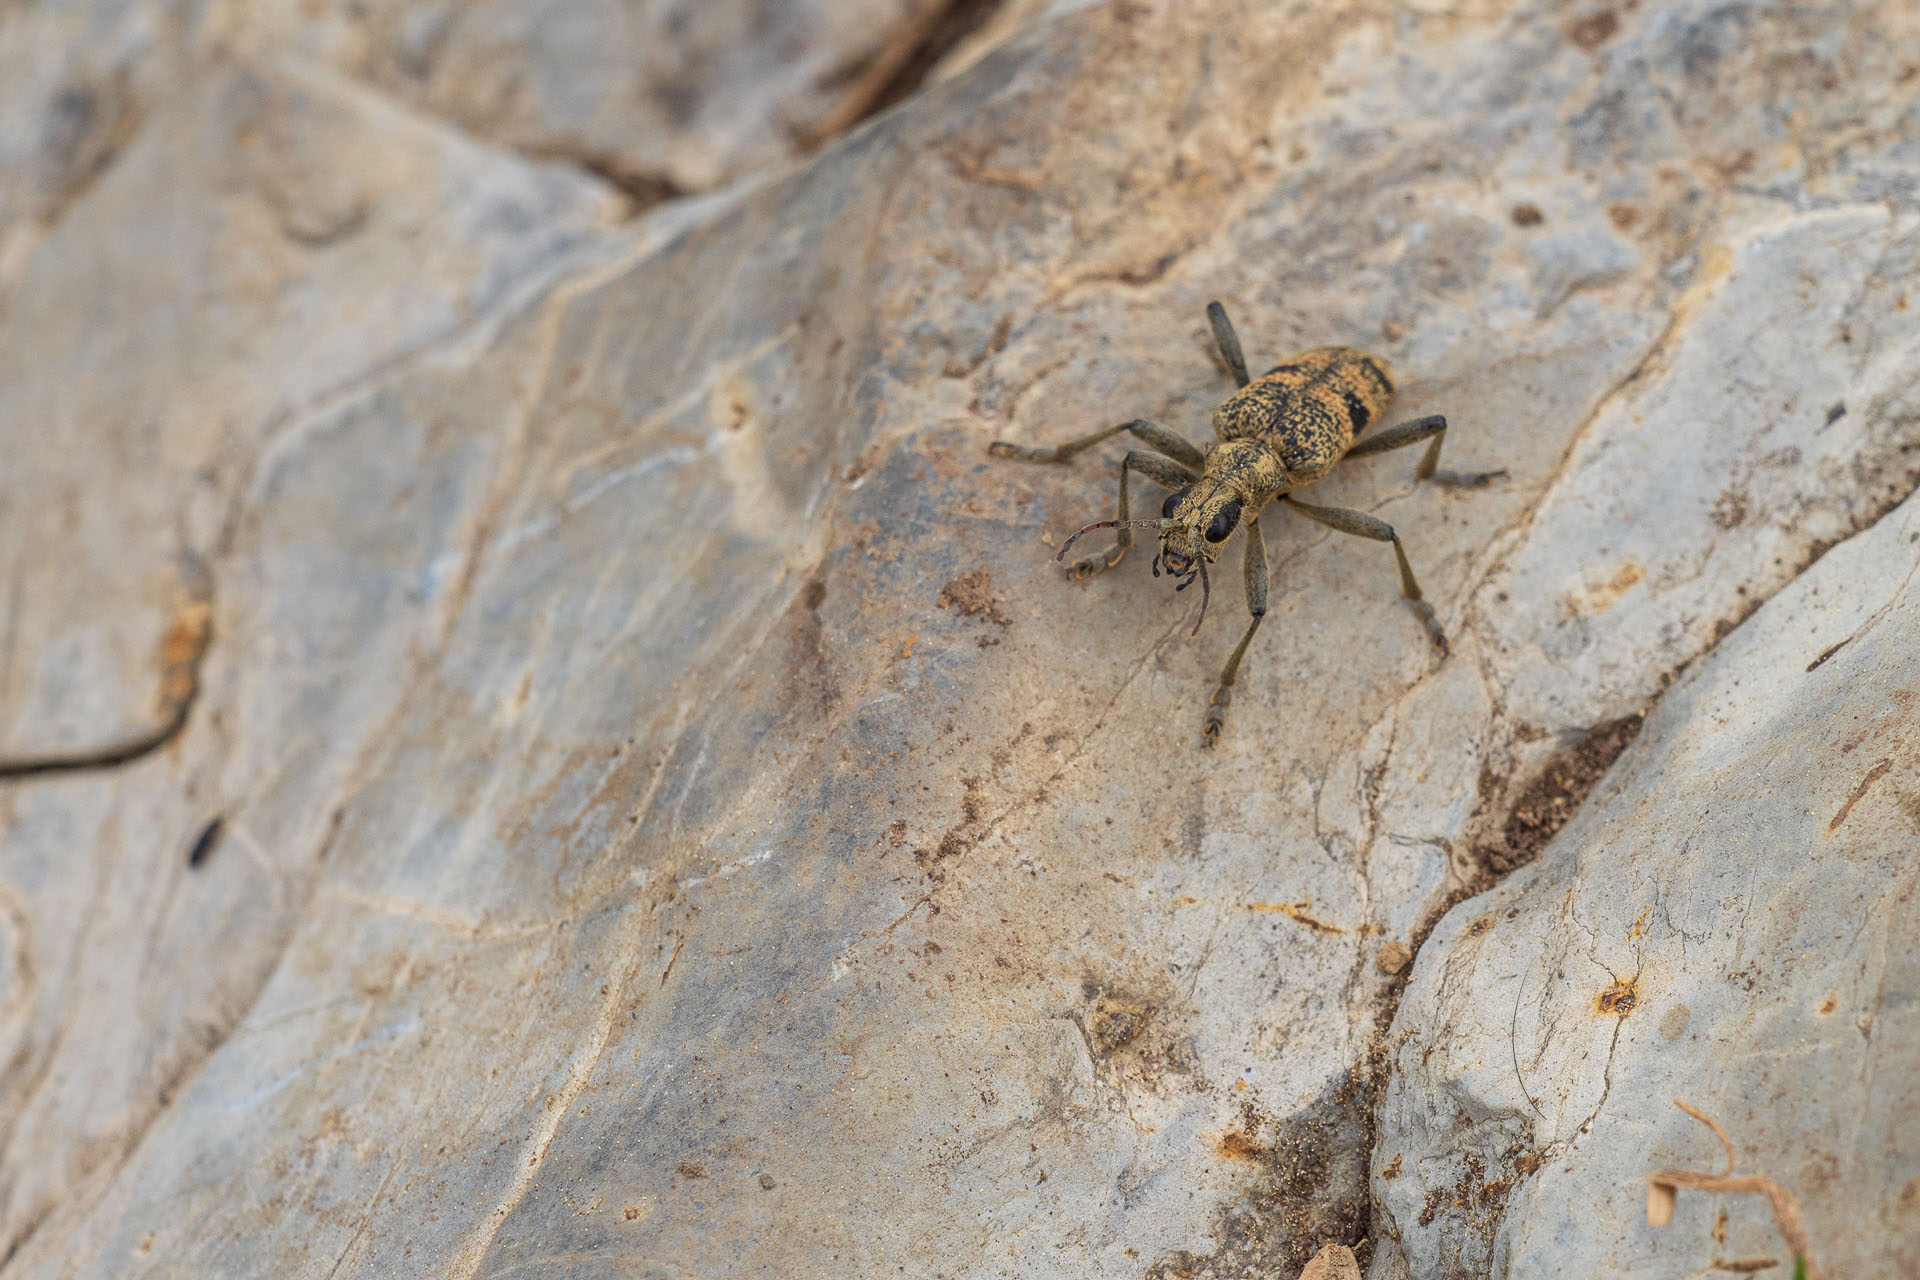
[1593,30]
[1617,999]
[181,648]
[1297,911]
[1394,957]
[1599,595]
[1235,1145]
[1874,775]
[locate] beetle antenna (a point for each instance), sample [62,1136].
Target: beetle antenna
[1112,524]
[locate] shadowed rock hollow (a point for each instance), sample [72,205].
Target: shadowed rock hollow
[673,818]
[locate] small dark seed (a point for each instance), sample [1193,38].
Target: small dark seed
[202,847]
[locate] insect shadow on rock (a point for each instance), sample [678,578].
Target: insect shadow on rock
[1278,433]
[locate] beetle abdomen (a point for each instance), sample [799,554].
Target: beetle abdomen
[1346,380]
[1309,409]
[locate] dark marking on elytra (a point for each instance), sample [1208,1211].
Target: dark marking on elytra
[1357,410]
[1381,382]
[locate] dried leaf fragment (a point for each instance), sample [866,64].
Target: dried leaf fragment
[1663,1187]
[1394,956]
[1333,1262]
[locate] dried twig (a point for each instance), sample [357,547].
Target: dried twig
[1664,1185]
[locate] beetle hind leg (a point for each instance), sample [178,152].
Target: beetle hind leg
[1228,341]
[1432,427]
[1360,524]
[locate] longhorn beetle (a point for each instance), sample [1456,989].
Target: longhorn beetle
[1277,433]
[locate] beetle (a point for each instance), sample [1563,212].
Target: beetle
[1276,434]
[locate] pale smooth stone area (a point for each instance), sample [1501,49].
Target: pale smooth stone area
[676,821]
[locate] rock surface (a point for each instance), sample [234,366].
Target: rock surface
[1730,920]
[659,97]
[272,240]
[666,96]
[673,818]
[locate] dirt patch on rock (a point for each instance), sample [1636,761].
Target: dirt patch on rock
[1312,1190]
[972,595]
[1542,805]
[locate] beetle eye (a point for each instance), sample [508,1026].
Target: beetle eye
[1223,521]
[1173,500]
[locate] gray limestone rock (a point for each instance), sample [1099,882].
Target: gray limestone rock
[676,821]
[662,96]
[276,237]
[1730,921]
[169,357]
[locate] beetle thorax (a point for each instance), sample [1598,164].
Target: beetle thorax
[1249,468]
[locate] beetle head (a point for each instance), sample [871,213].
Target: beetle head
[1193,522]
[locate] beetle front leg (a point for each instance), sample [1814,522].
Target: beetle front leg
[1152,434]
[1255,567]
[1164,471]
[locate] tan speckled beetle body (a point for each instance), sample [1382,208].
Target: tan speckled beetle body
[1276,434]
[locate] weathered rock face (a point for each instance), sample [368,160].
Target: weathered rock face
[71,80]
[267,245]
[664,96]
[1729,920]
[676,821]
[269,220]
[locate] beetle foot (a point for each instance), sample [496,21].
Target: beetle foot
[1087,566]
[1216,715]
[1435,632]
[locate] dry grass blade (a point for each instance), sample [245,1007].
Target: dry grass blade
[1726,1143]
[1663,1187]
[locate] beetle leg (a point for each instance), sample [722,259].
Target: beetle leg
[1434,427]
[1256,575]
[1160,470]
[1152,434]
[1366,526]
[1229,342]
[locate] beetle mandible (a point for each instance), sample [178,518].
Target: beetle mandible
[1277,433]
